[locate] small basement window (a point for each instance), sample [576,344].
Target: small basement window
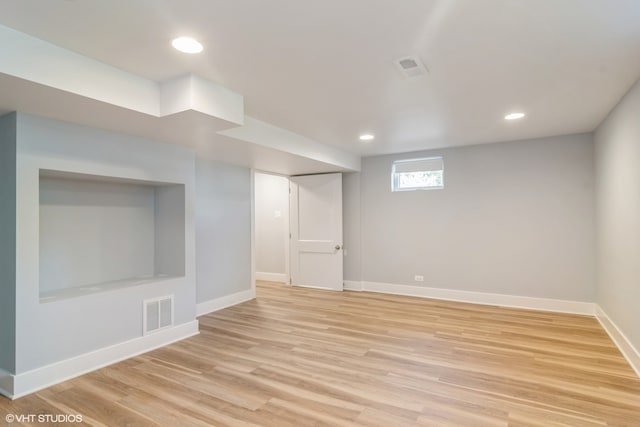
[418,174]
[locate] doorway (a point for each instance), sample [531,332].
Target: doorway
[272,227]
[298,230]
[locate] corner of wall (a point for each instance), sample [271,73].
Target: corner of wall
[619,339]
[224,302]
[8,159]
[6,384]
[617,210]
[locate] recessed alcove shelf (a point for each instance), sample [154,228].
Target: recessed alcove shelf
[100,233]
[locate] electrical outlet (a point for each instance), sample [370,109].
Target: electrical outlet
[418,278]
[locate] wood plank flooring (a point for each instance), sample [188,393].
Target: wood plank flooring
[302,357]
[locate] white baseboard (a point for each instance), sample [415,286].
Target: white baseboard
[352,285]
[530,303]
[272,277]
[224,302]
[37,379]
[619,339]
[6,383]
[320,288]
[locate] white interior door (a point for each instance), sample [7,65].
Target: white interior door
[316,231]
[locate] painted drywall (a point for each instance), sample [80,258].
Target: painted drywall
[94,232]
[223,229]
[618,214]
[272,224]
[58,330]
[8,242]
[169,216]
[351,226]
[514,218]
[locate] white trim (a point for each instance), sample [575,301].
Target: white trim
[529,303]
[272,277]
[287,237]
[619,339]
[252,226]
[321,288]
[352,285]
[224,302]
[37,379]
[6,383]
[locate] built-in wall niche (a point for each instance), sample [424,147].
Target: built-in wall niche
[101,233]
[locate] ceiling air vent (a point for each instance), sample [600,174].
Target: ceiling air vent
[411,66]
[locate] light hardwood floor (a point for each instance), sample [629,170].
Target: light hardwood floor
[301,357]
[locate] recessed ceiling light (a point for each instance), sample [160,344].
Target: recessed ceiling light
[514,116]
[366,137]
[187,45]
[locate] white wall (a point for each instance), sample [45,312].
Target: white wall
[223,229]
[59,330]
[272,227]
[618,214]
[7,242]
[514,218]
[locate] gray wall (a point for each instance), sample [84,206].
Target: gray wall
[514,218]
[8,242]
[618,214]
[351,226]
[272,232]
[59,330]
[223,229]
[94,232]
[169,230]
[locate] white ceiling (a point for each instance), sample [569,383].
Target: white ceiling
[324,69]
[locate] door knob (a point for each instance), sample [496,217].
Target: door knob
[337,247]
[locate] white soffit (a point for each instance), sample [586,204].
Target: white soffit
[40,78]
[37,61]
[267,135]
[40,62]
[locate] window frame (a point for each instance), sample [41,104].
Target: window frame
[395,175]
